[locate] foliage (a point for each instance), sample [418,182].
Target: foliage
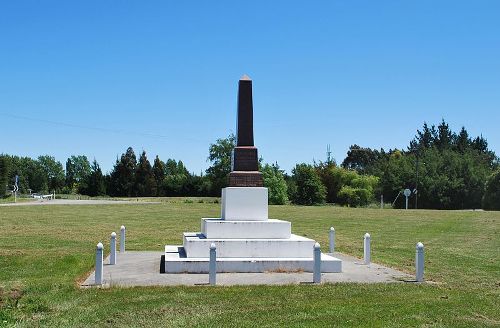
[4,175]
[54,172]
[347,187]
[145,182]
[122,178]
[274,180]
[95,184]
[491,198]
[309,188]
[220,159]
[449,169]
[77,171]
[159,174]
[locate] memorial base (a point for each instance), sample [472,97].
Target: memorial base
[177,262]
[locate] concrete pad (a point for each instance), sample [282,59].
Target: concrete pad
[143,269]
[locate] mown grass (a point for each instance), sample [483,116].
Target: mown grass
[44,250]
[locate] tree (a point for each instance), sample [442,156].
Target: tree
[145,183]
[122,178]
[309,189]
[77,171]
[53,171]
[177,180]
[275,182]
[361,159]
[491,198]
[4,175]
[347,187]
[95,184]
[159,174]
[220,158]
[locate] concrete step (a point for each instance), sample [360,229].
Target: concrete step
[177,262]
[198,245]
[270,229]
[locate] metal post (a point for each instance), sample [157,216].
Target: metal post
[406,202]
[317,264]
[367,249]
[112,255]
[98,264]
[122,239]
[212,266]
[381,202]
[419,262]
[332,240]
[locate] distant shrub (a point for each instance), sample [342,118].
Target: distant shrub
[309,189]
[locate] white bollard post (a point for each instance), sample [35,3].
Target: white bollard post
[317,264]
[112,255]
[367,249]
[122,239]
[212,266]
[332,240]
[98,264]
[419,262]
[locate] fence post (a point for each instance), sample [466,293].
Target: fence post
[332,239]
[367,248]
[419,262]
[317,264]
[112,255]
[122,239]
[98,264]
[212,266]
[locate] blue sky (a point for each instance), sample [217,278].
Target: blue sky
[94,77]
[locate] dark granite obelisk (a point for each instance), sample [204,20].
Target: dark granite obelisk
[245,160]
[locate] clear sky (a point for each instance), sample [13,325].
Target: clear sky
[94,77]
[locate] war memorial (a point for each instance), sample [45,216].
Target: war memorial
[246,239]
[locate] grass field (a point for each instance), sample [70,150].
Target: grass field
[45,250]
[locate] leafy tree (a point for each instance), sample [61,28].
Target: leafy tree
[178,181]
[144,178]
[53,171]
[77,171]
[309,189]
[347,187]
[361,159]
[491,198]
[220,159]
[274,180]
[95,184]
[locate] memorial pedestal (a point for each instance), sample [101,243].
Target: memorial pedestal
[246,240]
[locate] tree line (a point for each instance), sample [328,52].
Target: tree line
[444,169]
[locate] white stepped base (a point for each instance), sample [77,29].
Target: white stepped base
[273,229]
[177,262]
[197,245]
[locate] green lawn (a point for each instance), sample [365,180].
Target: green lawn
[46,250]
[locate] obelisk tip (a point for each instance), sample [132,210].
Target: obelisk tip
[245,78]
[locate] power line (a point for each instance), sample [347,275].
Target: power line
[72,125]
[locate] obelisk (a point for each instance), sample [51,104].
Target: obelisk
[245,160]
